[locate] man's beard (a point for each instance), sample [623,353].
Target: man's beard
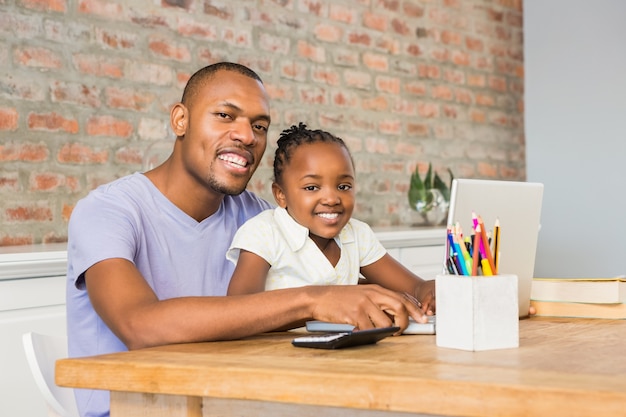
[223,188]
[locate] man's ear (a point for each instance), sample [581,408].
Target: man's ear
[179,118]
[279,196]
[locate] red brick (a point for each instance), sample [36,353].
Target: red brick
[279,92]
[108,126]
[428,110]
[52,122]
[451,38]
[392,127]
[313,7]
[442,92]
[312,95]
[487,170]
[38,57]
[16,240]
[400,27]
[478,116]
[294,70]
[413,50]
[75,93]
[8,119]
[240,37]
[325,76]
[46,181]
[25,213]
[118,98]
[101,8]
[476,80]
[45,5]
[26,152]
[53,237]
[9,182]
[128,155]
[388,84]
[411,9]
[363,39]
[224,13]
[379,146]
[415,88]
[474,44]
[189,27]
[344,99]
[164,47]
[81,154]
[375,21]
[376,62]
[311,52]
[485,99]
[100,66]
[66,212]
[450,112]
[341,13]
[358,79]
[454,76]
[460,58]
[497,83]
[406,107]
[274,44]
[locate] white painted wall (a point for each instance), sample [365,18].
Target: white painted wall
[575,121]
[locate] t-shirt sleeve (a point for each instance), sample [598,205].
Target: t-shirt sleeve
[370,248]
[98,229]
[256,236]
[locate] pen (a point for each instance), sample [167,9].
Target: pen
[496,245]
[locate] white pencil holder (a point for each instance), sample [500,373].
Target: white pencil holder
[477,312]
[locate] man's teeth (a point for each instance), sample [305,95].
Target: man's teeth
[234,160]
[328,215]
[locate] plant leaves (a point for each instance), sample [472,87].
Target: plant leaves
[417,190]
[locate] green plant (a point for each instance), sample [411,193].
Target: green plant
[420,194]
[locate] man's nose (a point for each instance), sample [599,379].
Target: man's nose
[243,132]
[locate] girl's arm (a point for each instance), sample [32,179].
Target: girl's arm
[391,274]
[250,274]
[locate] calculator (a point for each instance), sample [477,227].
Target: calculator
[344,339]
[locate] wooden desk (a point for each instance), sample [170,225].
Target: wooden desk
[562,368]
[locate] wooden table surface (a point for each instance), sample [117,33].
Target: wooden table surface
[563,367]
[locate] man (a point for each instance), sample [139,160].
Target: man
[147,261]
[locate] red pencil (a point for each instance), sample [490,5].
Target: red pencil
[486,245]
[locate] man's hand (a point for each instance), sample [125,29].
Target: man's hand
[364,306]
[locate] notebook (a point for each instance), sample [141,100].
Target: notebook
[517,206]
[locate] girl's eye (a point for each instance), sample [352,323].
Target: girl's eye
[310,188]
[345,187]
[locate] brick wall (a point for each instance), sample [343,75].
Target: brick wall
[86,87]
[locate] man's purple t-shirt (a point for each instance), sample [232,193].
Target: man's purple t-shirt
[130,219]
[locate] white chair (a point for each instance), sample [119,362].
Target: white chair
[42,351]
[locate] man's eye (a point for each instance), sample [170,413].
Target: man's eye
[222,115]
[260,128]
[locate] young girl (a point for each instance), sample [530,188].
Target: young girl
[310,238]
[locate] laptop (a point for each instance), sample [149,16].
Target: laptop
[517,206]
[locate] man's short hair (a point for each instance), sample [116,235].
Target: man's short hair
[197,80]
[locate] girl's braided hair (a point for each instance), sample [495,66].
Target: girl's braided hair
[295,136]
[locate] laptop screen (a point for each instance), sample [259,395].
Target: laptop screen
[517,207]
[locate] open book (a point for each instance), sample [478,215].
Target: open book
[579,290]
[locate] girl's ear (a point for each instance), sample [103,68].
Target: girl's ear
[279,195]
[179,117]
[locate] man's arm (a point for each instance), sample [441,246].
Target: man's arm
[127,304]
